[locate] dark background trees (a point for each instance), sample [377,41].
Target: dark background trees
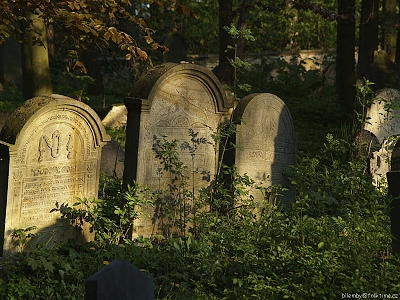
[345,55]
[88,31]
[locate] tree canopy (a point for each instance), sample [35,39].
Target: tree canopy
[84,21]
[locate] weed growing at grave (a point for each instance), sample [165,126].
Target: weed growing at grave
[111,216]
[334,239]
[365,97]
[176,205]
[237,63]
[22,236]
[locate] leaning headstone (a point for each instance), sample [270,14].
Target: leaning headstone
[116,117]
[381,162]
[383,116]
[383,122]
[176,98]
[119,280]
[267,143]
[112,159]
[50,151]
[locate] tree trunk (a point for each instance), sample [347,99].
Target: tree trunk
[389,28]
[36,78]
[242,25]
[51,47]
[94,70]
[224,70]
[10,63]
[345,56]
[368,41]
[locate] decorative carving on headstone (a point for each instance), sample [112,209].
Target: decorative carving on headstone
[267,143]
[52,147]
[383,122]
[176,98]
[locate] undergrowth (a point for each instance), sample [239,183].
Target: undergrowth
[335,237]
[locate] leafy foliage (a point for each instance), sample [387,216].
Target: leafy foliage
[334,239]
[111,217]
[85,21]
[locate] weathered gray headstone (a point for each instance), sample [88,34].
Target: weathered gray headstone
[176,98]
[50,151]
[268,143]
[383,116]
[112,159]
[384,123]
[120,280]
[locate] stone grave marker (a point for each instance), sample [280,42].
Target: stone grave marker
[112,159]
[176,98]
[50,151]
[268,144]
[384,124]
[119,280]
[116,117]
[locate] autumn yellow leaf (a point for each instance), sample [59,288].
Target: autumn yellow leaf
[142,54]
[148,39]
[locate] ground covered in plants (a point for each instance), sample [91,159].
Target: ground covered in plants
[334,239]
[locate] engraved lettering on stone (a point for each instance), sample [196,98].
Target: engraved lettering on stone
[68,147]
[54,144]
[91,167]
[17,175]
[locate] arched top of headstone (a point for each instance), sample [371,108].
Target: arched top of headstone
[149,83]
[264,100]
[383,116]
[34,108]
[265,134]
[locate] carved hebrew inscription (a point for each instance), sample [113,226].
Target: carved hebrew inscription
[54,144]
[39,194]
[51,155]
[267,139]
[180,104]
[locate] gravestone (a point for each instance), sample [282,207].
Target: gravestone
[267,141]
[116,117]
[176,98]
[112,159]
[119,280]
[383,122]
[50,151]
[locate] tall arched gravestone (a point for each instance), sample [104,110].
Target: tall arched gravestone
[50,151]
[383,122]
[176,98]
[267,143]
